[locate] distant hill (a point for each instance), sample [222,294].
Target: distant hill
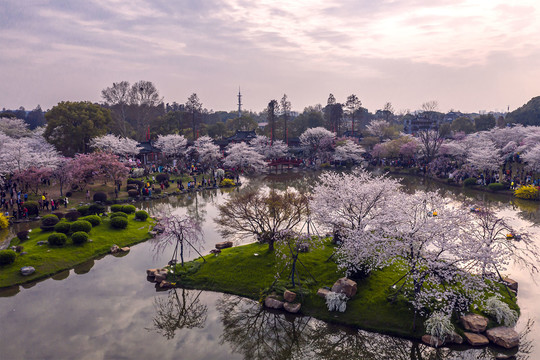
[528,114]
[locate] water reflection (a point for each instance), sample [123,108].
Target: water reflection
[182,309]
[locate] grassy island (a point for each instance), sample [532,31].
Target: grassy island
[49,260]
[250,270]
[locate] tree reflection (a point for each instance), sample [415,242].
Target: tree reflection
[178,311]
[257,333]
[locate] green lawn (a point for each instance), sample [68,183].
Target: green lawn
[48,260]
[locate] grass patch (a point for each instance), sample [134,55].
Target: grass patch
[241,272]
[49,260]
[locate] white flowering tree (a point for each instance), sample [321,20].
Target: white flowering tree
[532,158]
[242,157]
[485,157]
[348,151]
[206,153]
[318,142]
[379,128]
[116,145]
[18,154]
[264,146]
[173,145]
[14,128]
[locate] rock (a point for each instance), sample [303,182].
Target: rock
[475,323]
[511,283]
[322,292]
[292,308]
[215,251]
[125,249]
[165,284]
[345,286]
[41,243]
[224,245]
[503,336]
[159,277]
[27,270]
[455,338]
[476,339]
[273,303]
[289,296]
[504,357]
[432,340]
[151,272]
[114,249]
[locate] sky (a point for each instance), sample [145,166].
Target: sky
[468,55]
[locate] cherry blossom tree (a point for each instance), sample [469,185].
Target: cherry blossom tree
[430,142]
[206,152]
[22,153]
[242,157]
[62,174]
[267,149]
[14,128]
[317,141]
[32,177]
[173,145]
[116,145]
[485,157]
[182,231]
[532,158]
[379,128]
[348,151]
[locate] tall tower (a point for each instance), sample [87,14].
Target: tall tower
[239,103]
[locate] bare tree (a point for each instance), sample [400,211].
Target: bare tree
[182,231]
[118,97]
[286,113]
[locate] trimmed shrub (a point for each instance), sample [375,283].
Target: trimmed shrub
[33,207]
[116,208]
[100,196]
[96,209]
[81,225]
[48,222]
[62,227]
[69,194]
[141,215]
[4,222]
[23,235]
[72,215]
[92,219]
[162,177]
[226,183]
[118,214]
[135,182]
[156,191]
[7,257]
[128,209]
[79,237]
[133,193]
[59,215]
[469,182]
[84,210]
[529,192]
[57,239]
[132,187]
[119,222]
[496,186]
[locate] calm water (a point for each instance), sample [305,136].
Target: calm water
[105,309]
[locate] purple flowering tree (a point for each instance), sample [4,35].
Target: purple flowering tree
[182,232]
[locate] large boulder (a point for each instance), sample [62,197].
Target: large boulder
[432,340]
[345,286]
[224,245]
[511,283]
[114,249]
[292,308]
[273,303]
[27,270]
[476,339]
[322,292]
[454,338]
[289,296]
[474,322]
[503,336]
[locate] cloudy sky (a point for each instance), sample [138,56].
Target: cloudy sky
[468,55]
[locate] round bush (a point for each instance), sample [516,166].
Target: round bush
[49,220]
[79,237]
[62,227]
[96,209]
[57,239]
[33,207]
[118,214]
[23,235]
[83,210]
[69,194]
[100,196]
[496,186]
[7,257]
[72,215]
[116,208]
[133,193]
[128,209]
[81,225]
[119,222]
[92,219]
[162,177]
[141,215]
[469,182]
[59,215]
[131,187]
[157,191]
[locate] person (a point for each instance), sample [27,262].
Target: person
[66,202]
[87,194]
